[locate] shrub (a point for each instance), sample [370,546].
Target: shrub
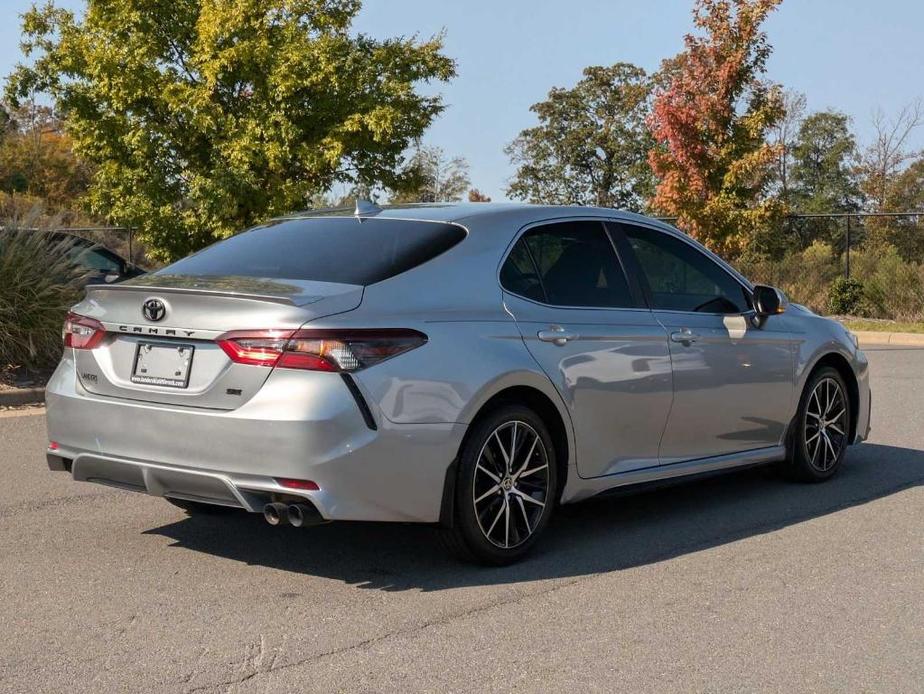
[804,275]
[38,283]
[845,295]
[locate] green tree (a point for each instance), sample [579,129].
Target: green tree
[711,116]
[591,144]
[905,193]
[823,171]
[432,177]
[205,116]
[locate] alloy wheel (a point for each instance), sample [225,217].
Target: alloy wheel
[511,484]
[825,424]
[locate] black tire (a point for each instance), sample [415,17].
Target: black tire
[818,445]
[196,508]
[522,493]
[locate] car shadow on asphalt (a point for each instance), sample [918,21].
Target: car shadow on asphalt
[600,535]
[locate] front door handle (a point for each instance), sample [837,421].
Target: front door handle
[685,337]
[556,335]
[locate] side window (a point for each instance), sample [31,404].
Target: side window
[96,259]
[567,264]
[519,276]
[681,278]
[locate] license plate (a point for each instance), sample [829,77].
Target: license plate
[162,365]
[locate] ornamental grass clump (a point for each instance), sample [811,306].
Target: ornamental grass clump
[38,283]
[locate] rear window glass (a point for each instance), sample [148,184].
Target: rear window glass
[343,250]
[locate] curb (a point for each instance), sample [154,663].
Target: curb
[22,396]
[870,338]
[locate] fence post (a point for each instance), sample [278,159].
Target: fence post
[847,254]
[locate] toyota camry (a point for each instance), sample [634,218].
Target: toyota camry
[470,366]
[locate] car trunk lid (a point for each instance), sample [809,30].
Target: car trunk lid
[169,355]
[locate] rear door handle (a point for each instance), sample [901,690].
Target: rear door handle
[556,335]
[685,337]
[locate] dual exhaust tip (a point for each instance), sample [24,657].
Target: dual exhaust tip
[296,515]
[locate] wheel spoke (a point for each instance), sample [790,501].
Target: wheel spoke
[527,497]
[491,492]
[812,437]
[830,447]
[531,471]
[506,523]
[529,528]
[529,456]
[500,445]
[816,451]
[500,512]
[490,474]
[513,448]
[816,399]
[834,427]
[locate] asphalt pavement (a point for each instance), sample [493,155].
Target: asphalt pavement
[739,583]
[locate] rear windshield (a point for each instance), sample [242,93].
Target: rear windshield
[344,250]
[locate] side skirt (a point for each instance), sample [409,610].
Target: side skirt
[661,474]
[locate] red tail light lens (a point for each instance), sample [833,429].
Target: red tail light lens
[81,332]
[318,350]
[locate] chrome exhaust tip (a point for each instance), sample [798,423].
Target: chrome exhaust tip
[276,513]
[303,515]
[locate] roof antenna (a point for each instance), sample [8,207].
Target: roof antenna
[366,208]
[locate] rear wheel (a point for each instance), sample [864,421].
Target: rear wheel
[506,488]
[821,430]
[196,508]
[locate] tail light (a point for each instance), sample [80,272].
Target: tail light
[81,332]
[318,350]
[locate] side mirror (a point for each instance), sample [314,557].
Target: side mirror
[112,277]
[769,301]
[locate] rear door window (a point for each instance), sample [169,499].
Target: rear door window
[567,264]
[343,250]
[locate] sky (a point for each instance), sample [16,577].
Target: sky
[854,56]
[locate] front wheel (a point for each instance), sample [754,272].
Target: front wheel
[506,488]
[821,429]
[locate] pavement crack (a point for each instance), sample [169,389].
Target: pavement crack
[398,633]
[32,506]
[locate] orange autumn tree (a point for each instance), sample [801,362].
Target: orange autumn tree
[710,118]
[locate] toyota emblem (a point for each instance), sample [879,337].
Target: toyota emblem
[154,309]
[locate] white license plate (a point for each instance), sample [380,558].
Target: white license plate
[162,365]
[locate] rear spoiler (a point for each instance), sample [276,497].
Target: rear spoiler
[155,289]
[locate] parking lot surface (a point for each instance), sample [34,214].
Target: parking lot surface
[743,582]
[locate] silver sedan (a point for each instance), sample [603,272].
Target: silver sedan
[469,366]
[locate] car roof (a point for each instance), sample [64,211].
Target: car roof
[462,212]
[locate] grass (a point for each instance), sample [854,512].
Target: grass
[38,282]
[877,325]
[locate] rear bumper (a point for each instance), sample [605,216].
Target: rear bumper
[303,426]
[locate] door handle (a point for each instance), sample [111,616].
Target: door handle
[556,335]
[685,337]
